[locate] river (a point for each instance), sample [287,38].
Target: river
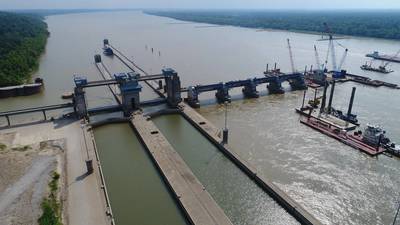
[336,183]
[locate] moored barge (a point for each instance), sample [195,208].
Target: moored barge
[22,90]
[356,140]
[390,58]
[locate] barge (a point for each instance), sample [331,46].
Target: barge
[22,90]
[390,58]
[356,140]
[368,81]
[380,69]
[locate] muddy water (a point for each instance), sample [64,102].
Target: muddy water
[336,183]
[137,192]
[241,199]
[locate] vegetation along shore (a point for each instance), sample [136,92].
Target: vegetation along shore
[363,23]
[23,39]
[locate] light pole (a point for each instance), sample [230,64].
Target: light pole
[88,161]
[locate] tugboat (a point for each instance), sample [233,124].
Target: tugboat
[374,136]
[380,69]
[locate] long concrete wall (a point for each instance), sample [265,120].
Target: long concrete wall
[198,205]
[213,134]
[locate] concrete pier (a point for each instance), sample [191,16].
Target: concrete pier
[198,205]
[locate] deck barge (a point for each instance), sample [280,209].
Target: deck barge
[341,135]
[367,81]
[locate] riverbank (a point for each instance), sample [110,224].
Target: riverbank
[317,172]
[31,154]
[372,23]
[23,39]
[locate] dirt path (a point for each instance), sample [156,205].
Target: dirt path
[32,153]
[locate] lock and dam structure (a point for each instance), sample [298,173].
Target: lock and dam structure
[197,204]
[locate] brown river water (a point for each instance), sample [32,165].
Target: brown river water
[336,183]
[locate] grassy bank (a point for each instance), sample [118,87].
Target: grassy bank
[378,24]
[23,39]
[51,206]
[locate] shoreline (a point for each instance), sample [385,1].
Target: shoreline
[261,29]
[79,191]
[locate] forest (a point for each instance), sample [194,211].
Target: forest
[23,39]
[367,23]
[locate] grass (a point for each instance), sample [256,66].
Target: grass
[50,205]
[2,147]
[22,148]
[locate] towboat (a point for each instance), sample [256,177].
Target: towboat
[376,136]
[373,135]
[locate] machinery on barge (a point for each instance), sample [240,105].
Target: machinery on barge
[376,136]
[379,69]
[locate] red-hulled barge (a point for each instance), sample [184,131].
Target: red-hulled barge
[353,140]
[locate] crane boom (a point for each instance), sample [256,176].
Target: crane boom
[291,56]
[333,55]
[328,31]
[343,59]
[317,58]
[327,54]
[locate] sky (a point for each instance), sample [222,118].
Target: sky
[201,4]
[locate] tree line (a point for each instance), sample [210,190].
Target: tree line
[377,24]
[23,39]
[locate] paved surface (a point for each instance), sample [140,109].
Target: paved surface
[197,203]
[85,202]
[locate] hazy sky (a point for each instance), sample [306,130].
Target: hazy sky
[266,4]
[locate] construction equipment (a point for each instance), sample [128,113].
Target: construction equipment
[336,69]
[291,56]
[386,60]
[342,60]
[317,60]
[380,69]
[329,33]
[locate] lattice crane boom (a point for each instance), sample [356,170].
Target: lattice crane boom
[291,56]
